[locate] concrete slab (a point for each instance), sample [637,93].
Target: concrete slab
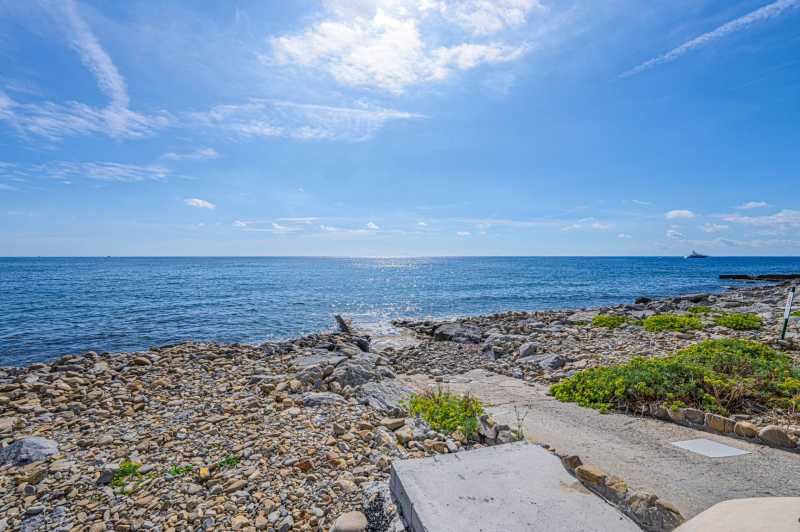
[776,514]
[508,488]
[709,448]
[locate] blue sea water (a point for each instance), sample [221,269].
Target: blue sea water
[55,306]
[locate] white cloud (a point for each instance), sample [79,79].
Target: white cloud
[672,215]
[624,235]
[463,233]
[422,224]
[199,203]
[672,234]
[785,220]
[714,228]
[753,205]
[394,44]
[266,119]
[640,202]
[742,23]
[586,223]
[200,154]
[372,226]
[329,228]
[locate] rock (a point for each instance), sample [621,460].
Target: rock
[694,415]
[719,423]
[319,359]
[141,361]
[527,349]
[590,474]
[404,434]
[322,398]
[385,396]
[745,429]
[392,423]
[642,300]
[462,333]
[551,362]
[27,450]
[350,522]
[8,424]
[239,522]
[355,373]
[776,437]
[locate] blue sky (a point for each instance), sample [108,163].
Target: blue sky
[400,127]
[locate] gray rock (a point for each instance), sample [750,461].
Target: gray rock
[355,373]
[319,359]
[462,333]
[27,450]
[551,362]
[528,349]
[385,396]
[322,398]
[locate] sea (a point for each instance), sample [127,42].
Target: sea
[55,306]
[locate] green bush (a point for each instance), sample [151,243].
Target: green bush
[127,470]
[721,376]
[700,310]
[608,321]
[739,322]
[671,322]
[447,412]
[229,461]
[796,313]
[179,471]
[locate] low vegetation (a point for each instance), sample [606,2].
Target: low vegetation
[722,376]
[447,412]
[179,471]
[671,322]
[700,309]
[608,321]
[229,461]
[127,470]
[739,321]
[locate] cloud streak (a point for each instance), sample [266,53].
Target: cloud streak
[766,12]
[199,203]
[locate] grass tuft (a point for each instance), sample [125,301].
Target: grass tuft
[127,470]
[721,376]
[179,471]
[671,322]
[739,322]
[700,309]
[447,412]
[228,462]
[608,321]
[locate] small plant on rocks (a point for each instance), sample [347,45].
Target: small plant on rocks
[700,309]
[447,412]
[179,471]
[608,321]
[739,322]
[228,462]
[126,471]
[671,322]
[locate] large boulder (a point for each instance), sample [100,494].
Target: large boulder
[27,450]
[385,396]
[462,333]
[545,362]
[355,373]
[322,398]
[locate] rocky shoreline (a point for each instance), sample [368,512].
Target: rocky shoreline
[294,435]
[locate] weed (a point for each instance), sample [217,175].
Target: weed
[700,309]
[447,412]
[179,471]
[720,376]
[608,321]
[229,461]
[671,322]
[126,471]
[739,322]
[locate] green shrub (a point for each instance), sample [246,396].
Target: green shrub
[671,322]
[608,321]
[796,314]
[716,375]
[127,470]
[447,412]
[700,310]
[739,322]
[179,471]
[229,461]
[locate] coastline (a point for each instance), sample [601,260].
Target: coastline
[288,434]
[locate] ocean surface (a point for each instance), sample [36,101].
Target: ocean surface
[55,306]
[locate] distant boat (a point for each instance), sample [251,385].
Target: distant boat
[695,255]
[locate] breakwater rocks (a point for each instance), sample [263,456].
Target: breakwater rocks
[284,436]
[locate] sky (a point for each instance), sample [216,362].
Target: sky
[399,127]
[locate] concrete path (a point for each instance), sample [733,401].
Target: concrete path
[508,488]
[637,449]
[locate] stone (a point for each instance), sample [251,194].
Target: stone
[776,437]
[141,361]
[322,398]
[551,362]
[404,434]
[694,415]
[528,349]
[392,423]
[719,423]
[355,373]
[7,424]
[590,474]
[462,333]
[745,429]
[27,450]
[350,522]
[385,396]
[676,415]
[239,522]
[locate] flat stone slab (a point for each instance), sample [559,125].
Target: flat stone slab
[710,448]
[511,488]
[775,514]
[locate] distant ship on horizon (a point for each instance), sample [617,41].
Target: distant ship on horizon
[695,255]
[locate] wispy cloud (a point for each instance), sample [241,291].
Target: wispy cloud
[199,203]
[200,154]
[766,12]
[624,236]
[67,171]
[753,205]
[586,223]
[673,234]
[714,228]
[785,220]
[391,45]
[266,119]
[678,213]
